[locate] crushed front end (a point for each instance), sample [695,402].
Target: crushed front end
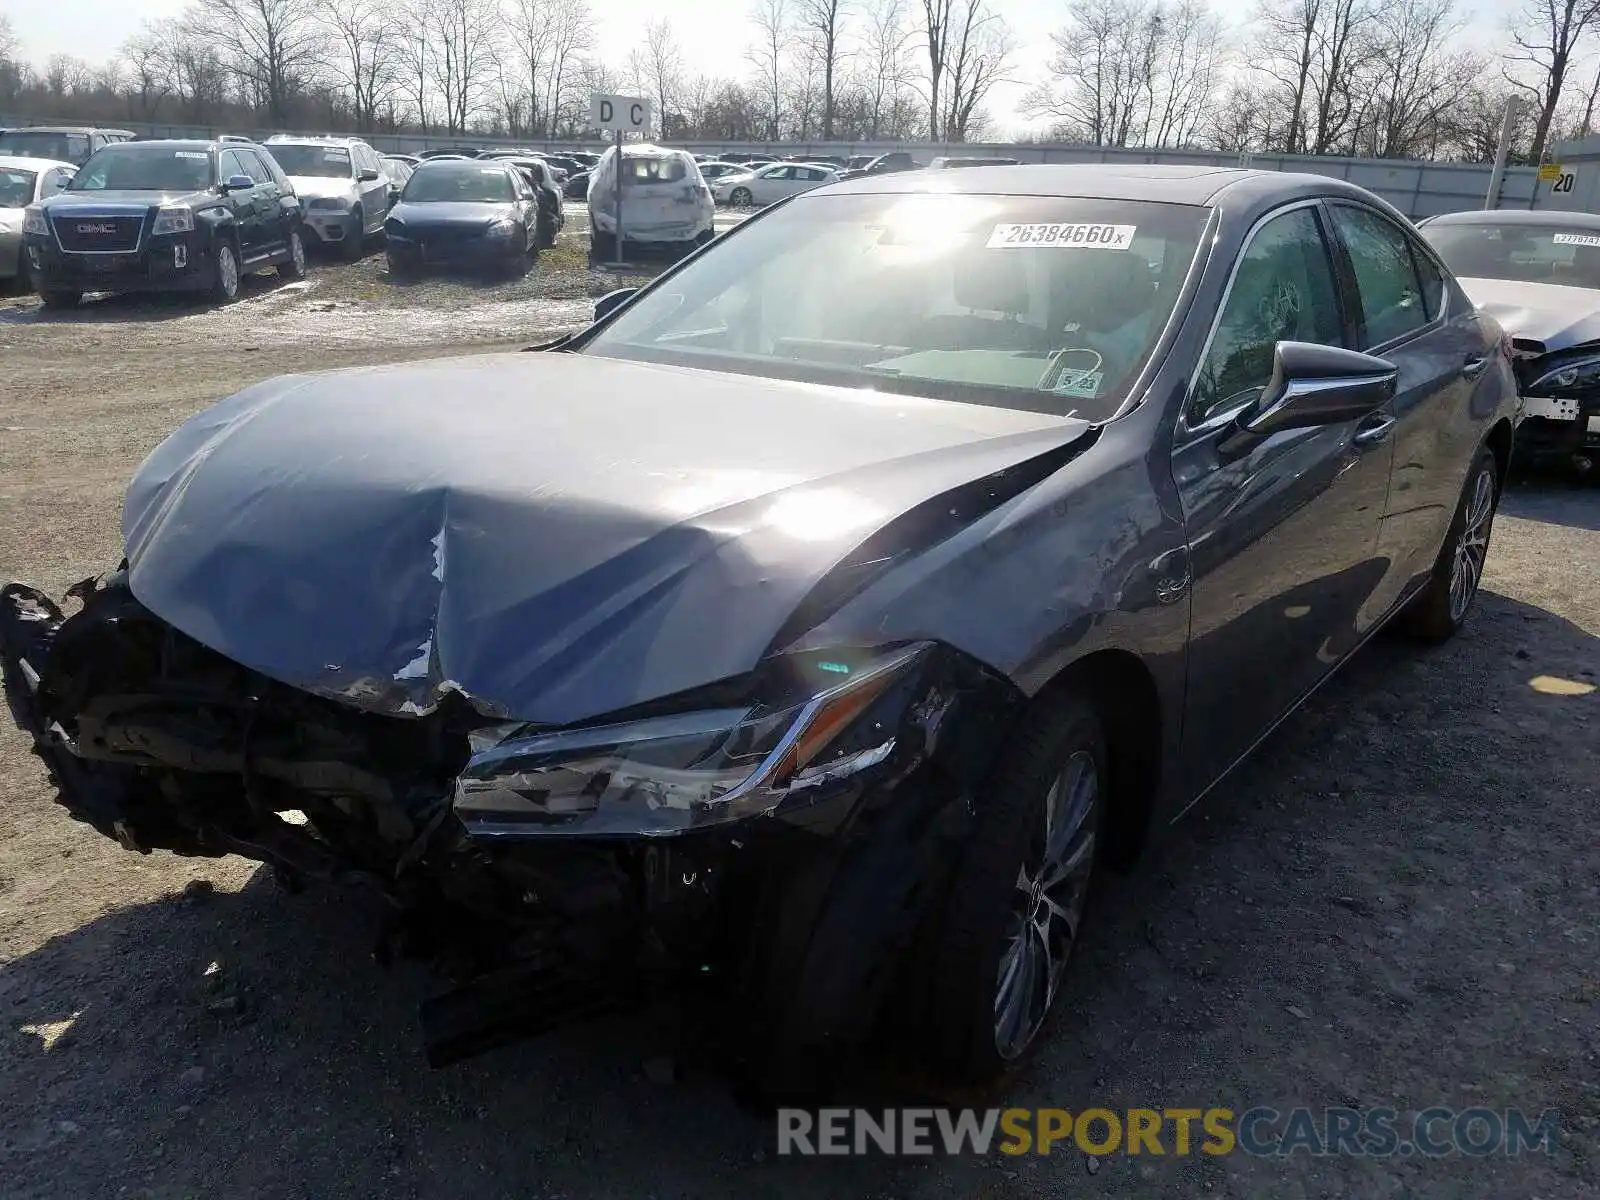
[746,833]
[1561,405]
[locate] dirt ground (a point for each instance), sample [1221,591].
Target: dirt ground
[1395,903]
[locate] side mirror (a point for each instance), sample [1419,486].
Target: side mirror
[611,301]
[1312,385]
[62,181]
[238,183]
[368,175]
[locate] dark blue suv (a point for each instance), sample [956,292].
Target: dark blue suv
[165,216]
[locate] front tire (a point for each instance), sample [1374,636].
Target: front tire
[1442,607]
[225,281]
[1015,907]
[354,244]
[59,297]
[741,198]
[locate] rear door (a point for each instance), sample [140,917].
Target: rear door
[1441,351]
[1283,534]
[772,184]
[374,191]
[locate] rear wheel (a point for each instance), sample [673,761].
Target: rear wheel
[1016,905]
[1441,609]
[295,267]
[741,198]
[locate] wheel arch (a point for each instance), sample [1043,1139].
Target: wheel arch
[1123,691]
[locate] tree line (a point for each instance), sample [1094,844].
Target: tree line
[1388,78]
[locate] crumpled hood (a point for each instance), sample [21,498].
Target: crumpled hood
[1560,317]
[555,535]
[317,187]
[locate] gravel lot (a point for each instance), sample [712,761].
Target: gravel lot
[1394,904]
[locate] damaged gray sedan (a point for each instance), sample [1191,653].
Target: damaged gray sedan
[810,628]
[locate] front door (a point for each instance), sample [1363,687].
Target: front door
[268,198]
[1282,536]
[246,205]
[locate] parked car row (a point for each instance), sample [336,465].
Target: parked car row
[199,215]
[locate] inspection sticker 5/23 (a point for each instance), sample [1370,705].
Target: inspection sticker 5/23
[1063,235]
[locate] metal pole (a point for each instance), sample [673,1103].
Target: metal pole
[1502,152]
[619,199]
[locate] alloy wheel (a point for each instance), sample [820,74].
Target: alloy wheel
[1472,547]
[228,271]
[1047,906]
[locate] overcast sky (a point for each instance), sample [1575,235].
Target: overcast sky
[94,29]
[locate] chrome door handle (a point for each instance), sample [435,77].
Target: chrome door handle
[1474,367]
[1374,429]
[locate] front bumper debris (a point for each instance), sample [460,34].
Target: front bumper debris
[161,743]
[1560,428]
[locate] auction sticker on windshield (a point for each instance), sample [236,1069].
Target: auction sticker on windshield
[189,154]
[1072,236]
[1576,239]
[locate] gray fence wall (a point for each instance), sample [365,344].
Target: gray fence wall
[1418,189]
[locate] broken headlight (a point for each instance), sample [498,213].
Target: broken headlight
[1580,376]
[662,775]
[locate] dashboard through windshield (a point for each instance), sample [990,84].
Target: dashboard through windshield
[1044,303]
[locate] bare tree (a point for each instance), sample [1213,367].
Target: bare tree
[273,45]
[768,54]
[656,69]
[364,59]
[1546,34]
[1417,75]
[979,49]
[887,69]
[66,75]
[821,23]
[149,75]
[461,55]
[937,18]
[1311,51]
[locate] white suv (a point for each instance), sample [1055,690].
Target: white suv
[342,185]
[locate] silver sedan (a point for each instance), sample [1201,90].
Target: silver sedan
[24,181]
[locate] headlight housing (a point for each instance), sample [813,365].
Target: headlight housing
[1581,375]
[33,221]
[173,220]
[663,775]
[329,203]
[503,228]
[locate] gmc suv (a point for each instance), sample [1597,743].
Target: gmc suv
[165,216]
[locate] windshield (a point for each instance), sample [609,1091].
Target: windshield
[62,147]
[1526,252]
[318,162]
[462,184]
[16,187]
[145,168]
[1039,303]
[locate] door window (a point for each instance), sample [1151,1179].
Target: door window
[1283,290]
[778,173]
[1432,280]
[253,166]
[228,165]
[1386,274]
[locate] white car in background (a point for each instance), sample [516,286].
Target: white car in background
[24,181]
[665,201]
[769,184]
[342,185]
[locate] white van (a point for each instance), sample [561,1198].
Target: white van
[665,201]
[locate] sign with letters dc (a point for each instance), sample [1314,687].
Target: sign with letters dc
[619,114]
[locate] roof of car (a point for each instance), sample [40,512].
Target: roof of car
[23,163]
[65,129]
[1517,216]
[1198,185]
[310,139]
[184,143]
